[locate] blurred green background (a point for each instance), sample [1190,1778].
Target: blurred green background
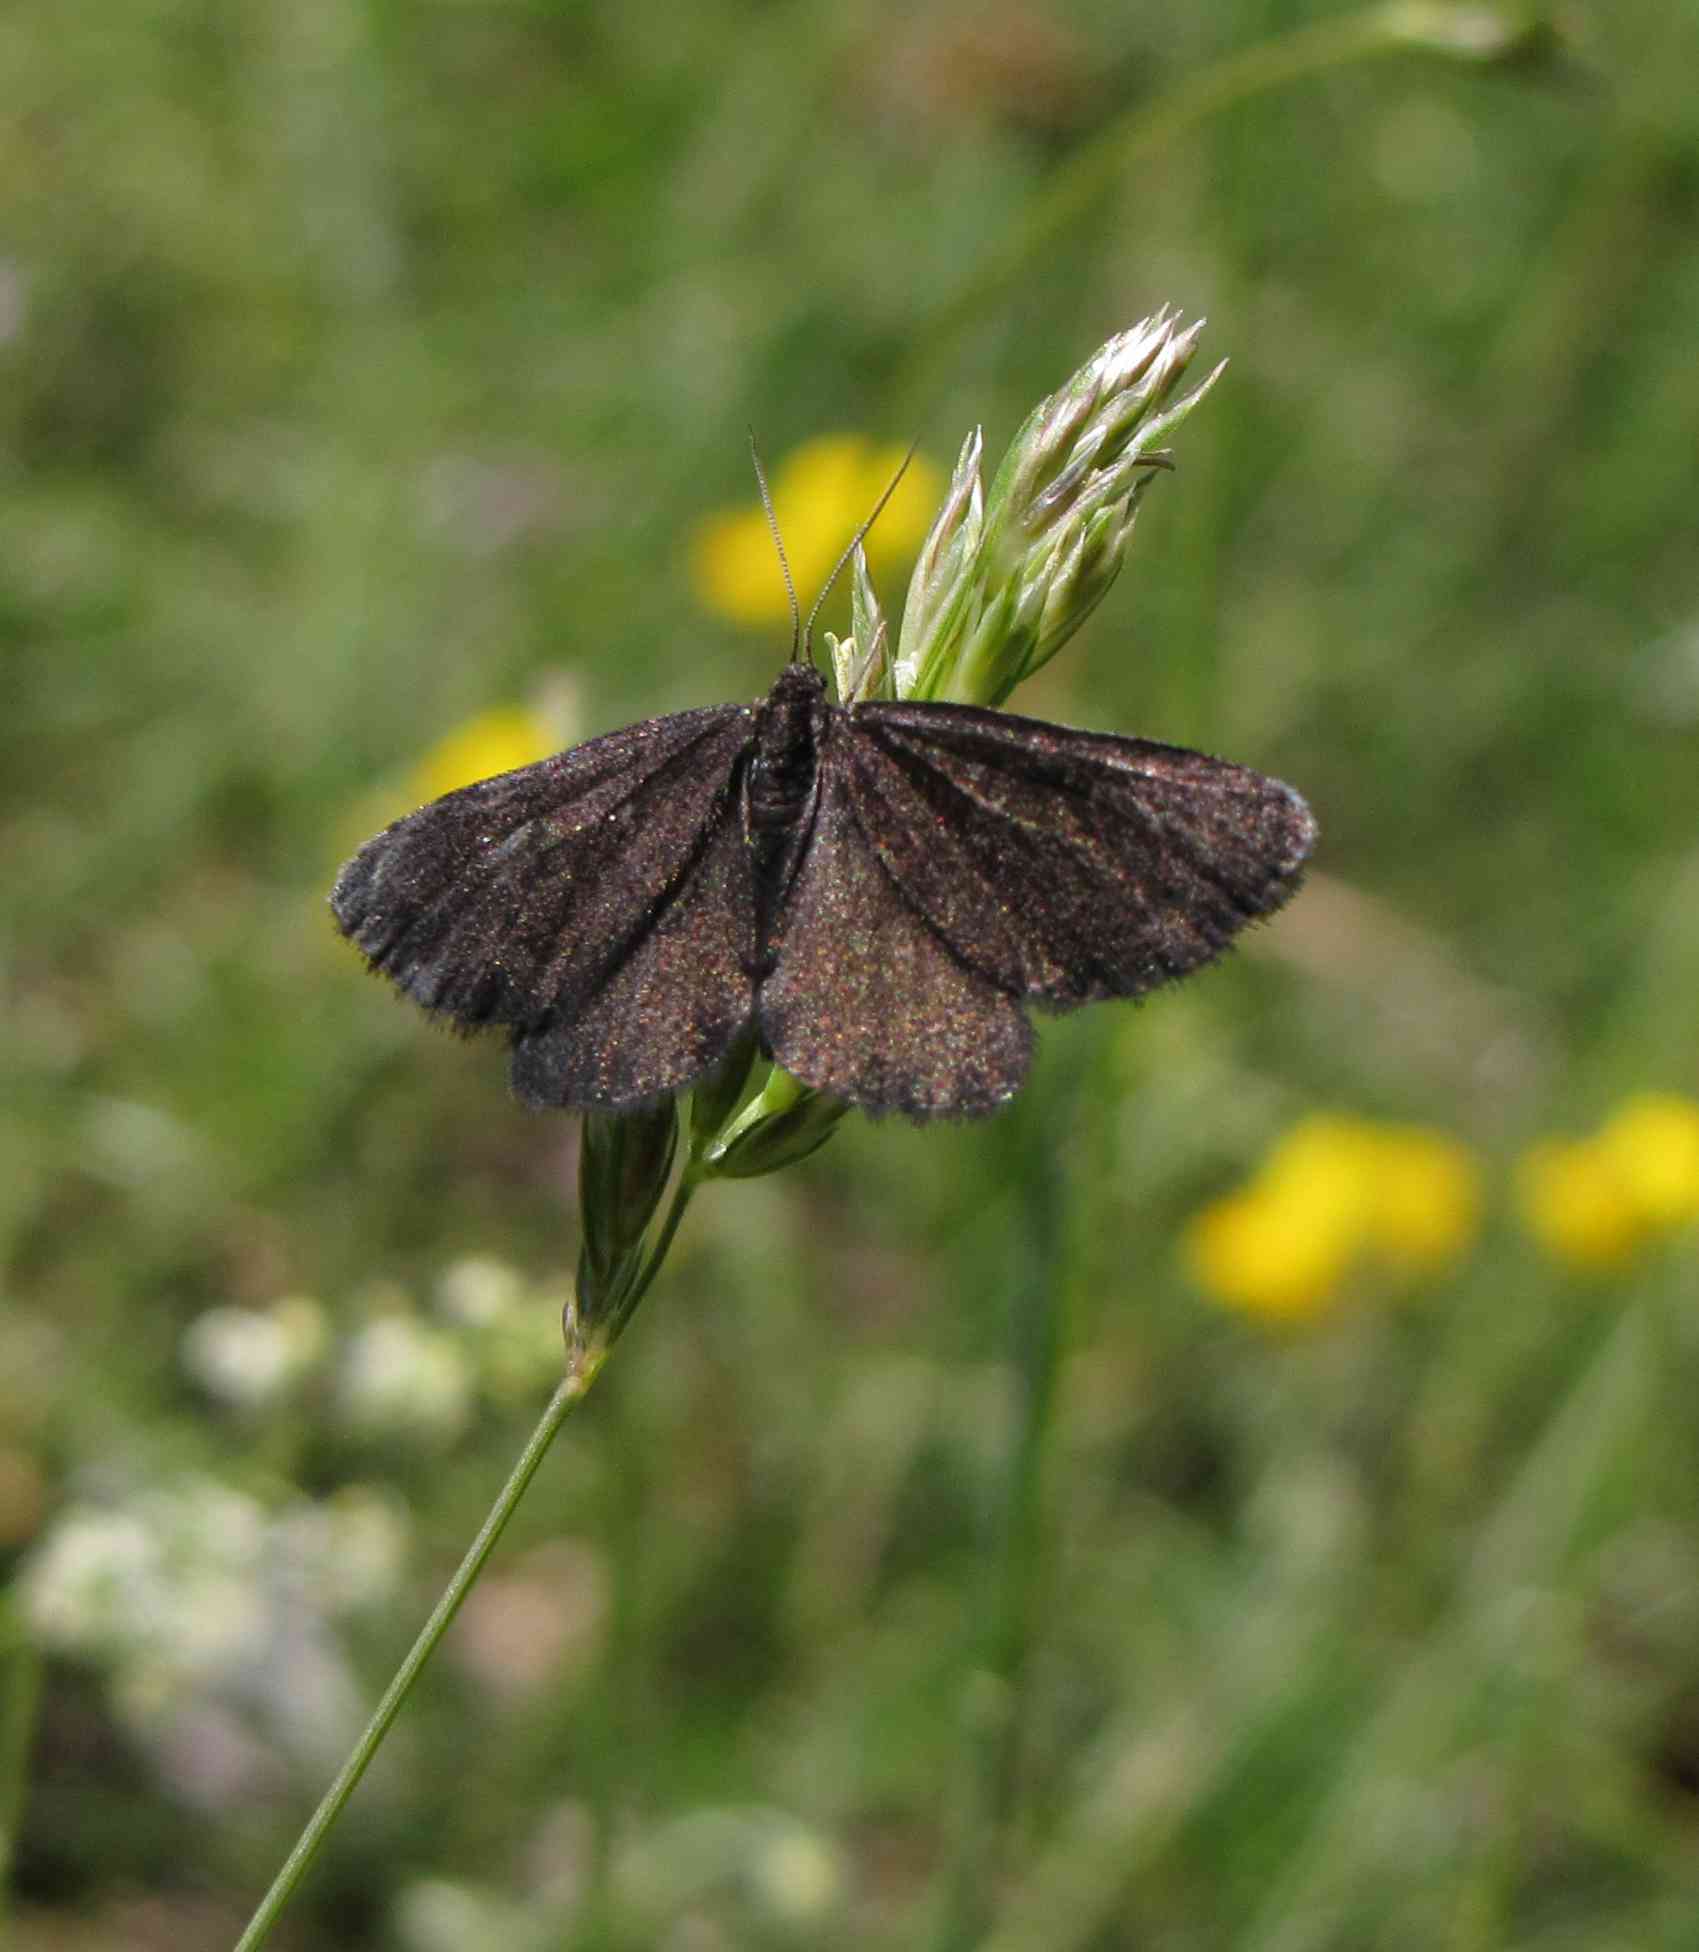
[940,1561]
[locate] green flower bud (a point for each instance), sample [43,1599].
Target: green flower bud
[714,1098]
[859,663]
[783,1123]
[1005,579]
[872,638]
[623,1167]
[934,611]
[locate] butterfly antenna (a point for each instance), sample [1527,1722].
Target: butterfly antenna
[855,543]
[779,545]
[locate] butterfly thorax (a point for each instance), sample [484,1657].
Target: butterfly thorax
[779,791]
[789,727]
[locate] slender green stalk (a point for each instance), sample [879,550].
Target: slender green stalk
[575,1385]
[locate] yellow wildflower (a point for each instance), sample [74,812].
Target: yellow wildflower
[1264,1254]
[1425,1209]
[1325,1167]
[1595,1203]
[1576,1202]
[821,493]
[1653,1139]
[1332,1194]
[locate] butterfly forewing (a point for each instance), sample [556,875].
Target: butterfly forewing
[553,894]
[1069,866]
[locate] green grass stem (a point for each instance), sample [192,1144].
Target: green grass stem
[573,1388]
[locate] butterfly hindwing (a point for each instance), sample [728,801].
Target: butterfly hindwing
[866,1001]
[1069,866]
[595,903]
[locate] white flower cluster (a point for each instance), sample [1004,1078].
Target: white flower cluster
[217,1620]
[719,1875]
[251,1357]
[399,1373]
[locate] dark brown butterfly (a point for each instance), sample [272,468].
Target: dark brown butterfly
[876,890]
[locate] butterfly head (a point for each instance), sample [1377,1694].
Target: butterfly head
[798,691]
[802,634]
